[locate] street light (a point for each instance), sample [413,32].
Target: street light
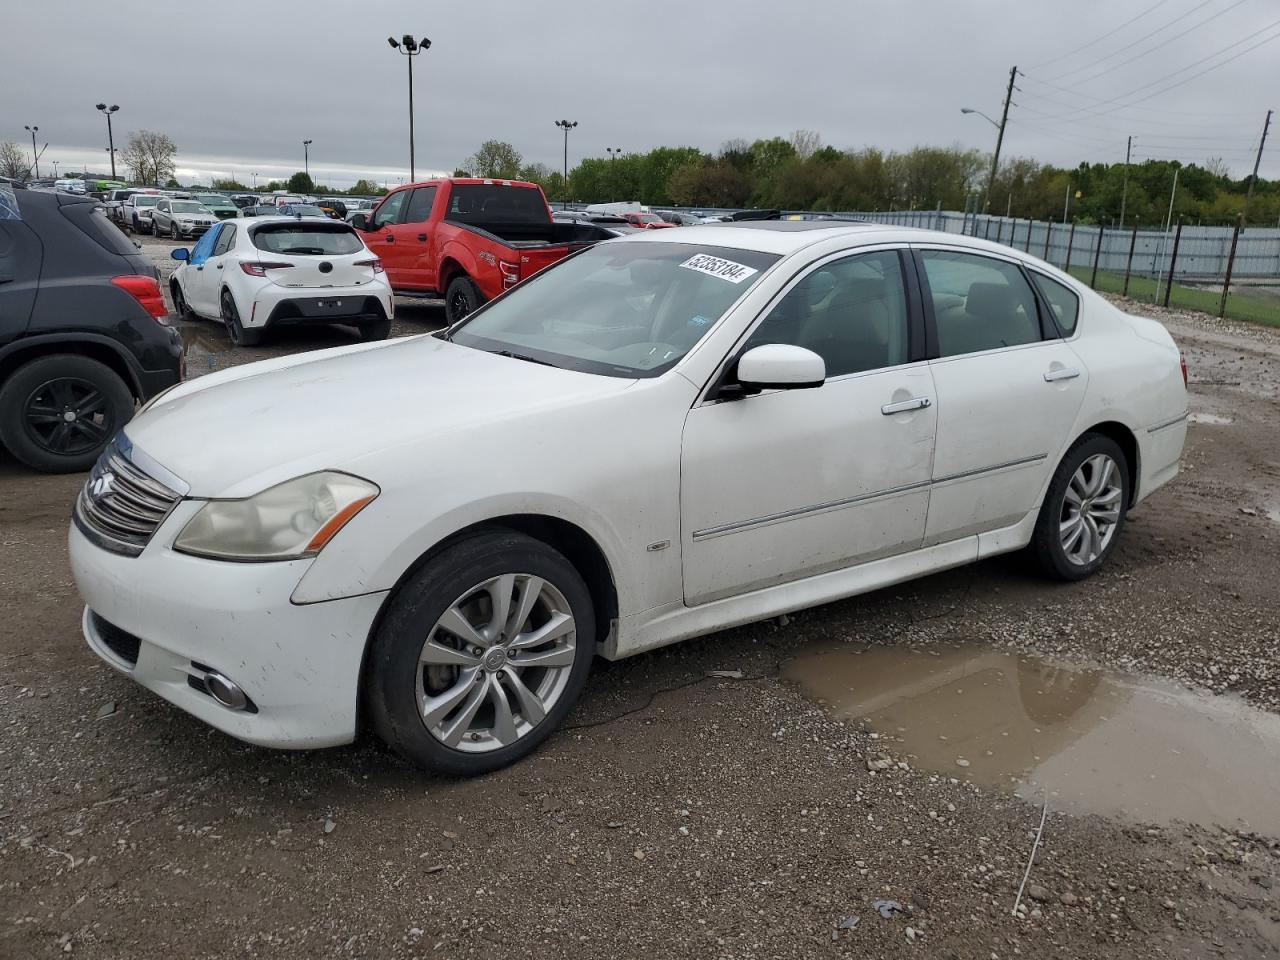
[614,153]
[410,48]
[981,114]
[35,157]
[566,126]
[55,168]
[306,158]
[111,143]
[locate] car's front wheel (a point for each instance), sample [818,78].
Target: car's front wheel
[180,306]
[1084,509]
[480,654]
[173,231]
[57,413]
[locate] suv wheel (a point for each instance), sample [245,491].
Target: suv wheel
[460,299]
[173,230]
[58,412]
[152,228]
[1084,509]
[480,654]
[231,320]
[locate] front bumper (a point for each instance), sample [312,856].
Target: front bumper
[298,664]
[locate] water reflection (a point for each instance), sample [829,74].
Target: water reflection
[1095,741]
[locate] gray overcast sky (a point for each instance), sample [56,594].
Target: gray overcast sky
[239,91]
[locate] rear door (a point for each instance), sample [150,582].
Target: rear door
[1009,390]
[20,259]
[414,251]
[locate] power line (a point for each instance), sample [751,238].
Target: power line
[1163,43]
[1110,33]
[1142,39]
[1103,100]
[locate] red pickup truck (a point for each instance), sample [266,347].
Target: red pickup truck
[467,239]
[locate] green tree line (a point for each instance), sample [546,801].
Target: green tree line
[798,173]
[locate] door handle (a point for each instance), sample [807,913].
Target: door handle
[915,403]
[219,266]
[389,238]
[201,267]
[1062,373]
[422,238]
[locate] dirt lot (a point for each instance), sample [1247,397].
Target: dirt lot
[678,815]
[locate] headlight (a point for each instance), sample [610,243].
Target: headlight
[291,520]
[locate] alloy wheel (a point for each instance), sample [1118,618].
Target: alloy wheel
[496,662]
[68,416]
[459,306]
[1090,509]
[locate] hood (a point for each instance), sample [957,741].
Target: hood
[239,431]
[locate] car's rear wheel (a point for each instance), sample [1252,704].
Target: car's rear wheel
[461,298]
[235,330]
[1084,509]
[375,331]
[58,412]
[480,654]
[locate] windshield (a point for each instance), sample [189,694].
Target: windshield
[212,198]
[494,203]
[302,209]
[649,218]
[141,200]
[618,309]
[312,238]
[189,206]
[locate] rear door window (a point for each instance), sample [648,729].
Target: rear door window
[91,218]
[317,239]
[420,205]
[495,203]
[979,303]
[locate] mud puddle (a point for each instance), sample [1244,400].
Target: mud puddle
[1094,741]
[1210,419]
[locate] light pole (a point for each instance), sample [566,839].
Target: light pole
[55,168]
[306,158]
[35,157]
[566,126]
[255,180]
[111,143]
[410,48]
[614,153]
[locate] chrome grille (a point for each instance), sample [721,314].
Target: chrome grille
[121,507]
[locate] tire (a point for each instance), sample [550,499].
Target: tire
[461,298]
[137,226]
[180,306]
[460,579]
[231,320]
[36,398]
[174,234]
[152,228]
[1084,509]
[375,331]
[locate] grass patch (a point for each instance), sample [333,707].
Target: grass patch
[1241,305]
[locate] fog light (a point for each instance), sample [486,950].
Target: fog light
[225,691]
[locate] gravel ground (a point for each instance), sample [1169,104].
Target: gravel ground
[677,815]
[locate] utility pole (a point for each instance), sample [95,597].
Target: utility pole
[1124,194]
[1256,163]
[995,158]
[1066,203]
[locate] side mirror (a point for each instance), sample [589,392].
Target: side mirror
[360,221]
[182,254]
[781,366]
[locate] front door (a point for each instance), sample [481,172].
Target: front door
[1009,390]
[412,256]
[381,239]
[201,282]
[787,484]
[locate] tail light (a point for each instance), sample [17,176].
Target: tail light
[260,269]
[510,273]
[147,292]
[1182,362]
[375,263]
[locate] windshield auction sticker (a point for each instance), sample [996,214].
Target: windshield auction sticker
[716,267]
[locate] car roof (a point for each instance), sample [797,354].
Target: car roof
[785,237]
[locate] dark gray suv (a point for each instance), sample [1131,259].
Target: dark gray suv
[84,330]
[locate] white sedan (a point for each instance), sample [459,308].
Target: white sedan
[665,435]
[269,272]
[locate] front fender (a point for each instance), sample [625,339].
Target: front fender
[354,564]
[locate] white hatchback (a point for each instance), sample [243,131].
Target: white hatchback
[665,435]
[254,275]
